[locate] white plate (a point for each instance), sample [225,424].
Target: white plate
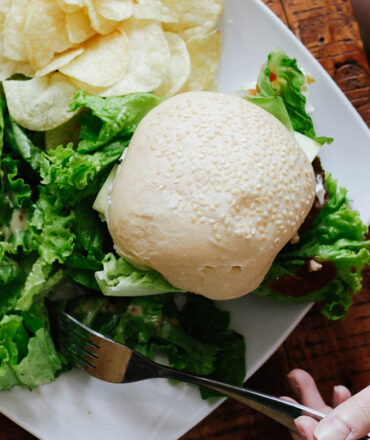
[77,406]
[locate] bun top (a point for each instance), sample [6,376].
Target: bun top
[211,188]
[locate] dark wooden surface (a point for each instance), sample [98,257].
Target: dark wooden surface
[334,352]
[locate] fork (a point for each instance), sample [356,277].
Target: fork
[111,361]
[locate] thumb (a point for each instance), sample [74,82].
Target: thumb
[348,421]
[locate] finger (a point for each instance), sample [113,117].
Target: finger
[306,389]
[340,395]
[288,398]
[348,421]
[306,426]
[293,434]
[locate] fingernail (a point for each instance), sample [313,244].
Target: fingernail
[332,429]
[339,388]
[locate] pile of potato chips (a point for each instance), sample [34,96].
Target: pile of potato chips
[105,47]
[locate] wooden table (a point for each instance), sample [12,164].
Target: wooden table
[334,352]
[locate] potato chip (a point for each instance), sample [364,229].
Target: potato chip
[40,104]
[149,56]
[45,32]
[178,69]
[213,87]
[5,6]
[98,22]
[163,11]
[196,31]
[199,14]
[13,37]
[104,62]
[204,52]
[7,68]
[63,134]
[24,68]
[116,10]
[70,6]
[59,61]
[78,27]
[88,88]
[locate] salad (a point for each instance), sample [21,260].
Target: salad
[55,247]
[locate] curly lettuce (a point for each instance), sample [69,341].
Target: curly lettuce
[110,118]
[337,235]
[48,230]
[120,278]
[195,337]
[27,353]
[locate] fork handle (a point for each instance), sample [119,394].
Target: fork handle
[281,410]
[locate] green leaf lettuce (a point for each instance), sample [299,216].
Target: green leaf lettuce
[110,118]
[281,78]
[120,278]
[337,235]
[195,338]
[27,353]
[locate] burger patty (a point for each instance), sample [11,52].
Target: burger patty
[321,198]
[313,274]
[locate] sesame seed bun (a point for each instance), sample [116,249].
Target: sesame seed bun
[211,188]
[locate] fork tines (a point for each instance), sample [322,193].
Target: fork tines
[100,356]
[75,341]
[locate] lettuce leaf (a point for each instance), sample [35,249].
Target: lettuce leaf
[73,175]
[9,270]
[18,241]
[27,353]
[49,233]
[110,118]
[205,321]
[63,238]
[42,362]
[88,253]
[17,140]
[15,201]
[337,236]
[90,233]
[2,126]
[120,278]
[16,193]
[195,339]
[13,339]
[281,77]
[274,105]
[51,228]
[40,281]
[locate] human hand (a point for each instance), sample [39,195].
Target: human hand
[348,418]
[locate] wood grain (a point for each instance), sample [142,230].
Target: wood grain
[328,28]
[334,352]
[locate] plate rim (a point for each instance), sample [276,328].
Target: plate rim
[193,421]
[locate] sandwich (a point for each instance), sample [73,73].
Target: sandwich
[212,187]
[139,211]
[224,195]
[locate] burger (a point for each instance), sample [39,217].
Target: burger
[212,187]
[222,195]
[204,196]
